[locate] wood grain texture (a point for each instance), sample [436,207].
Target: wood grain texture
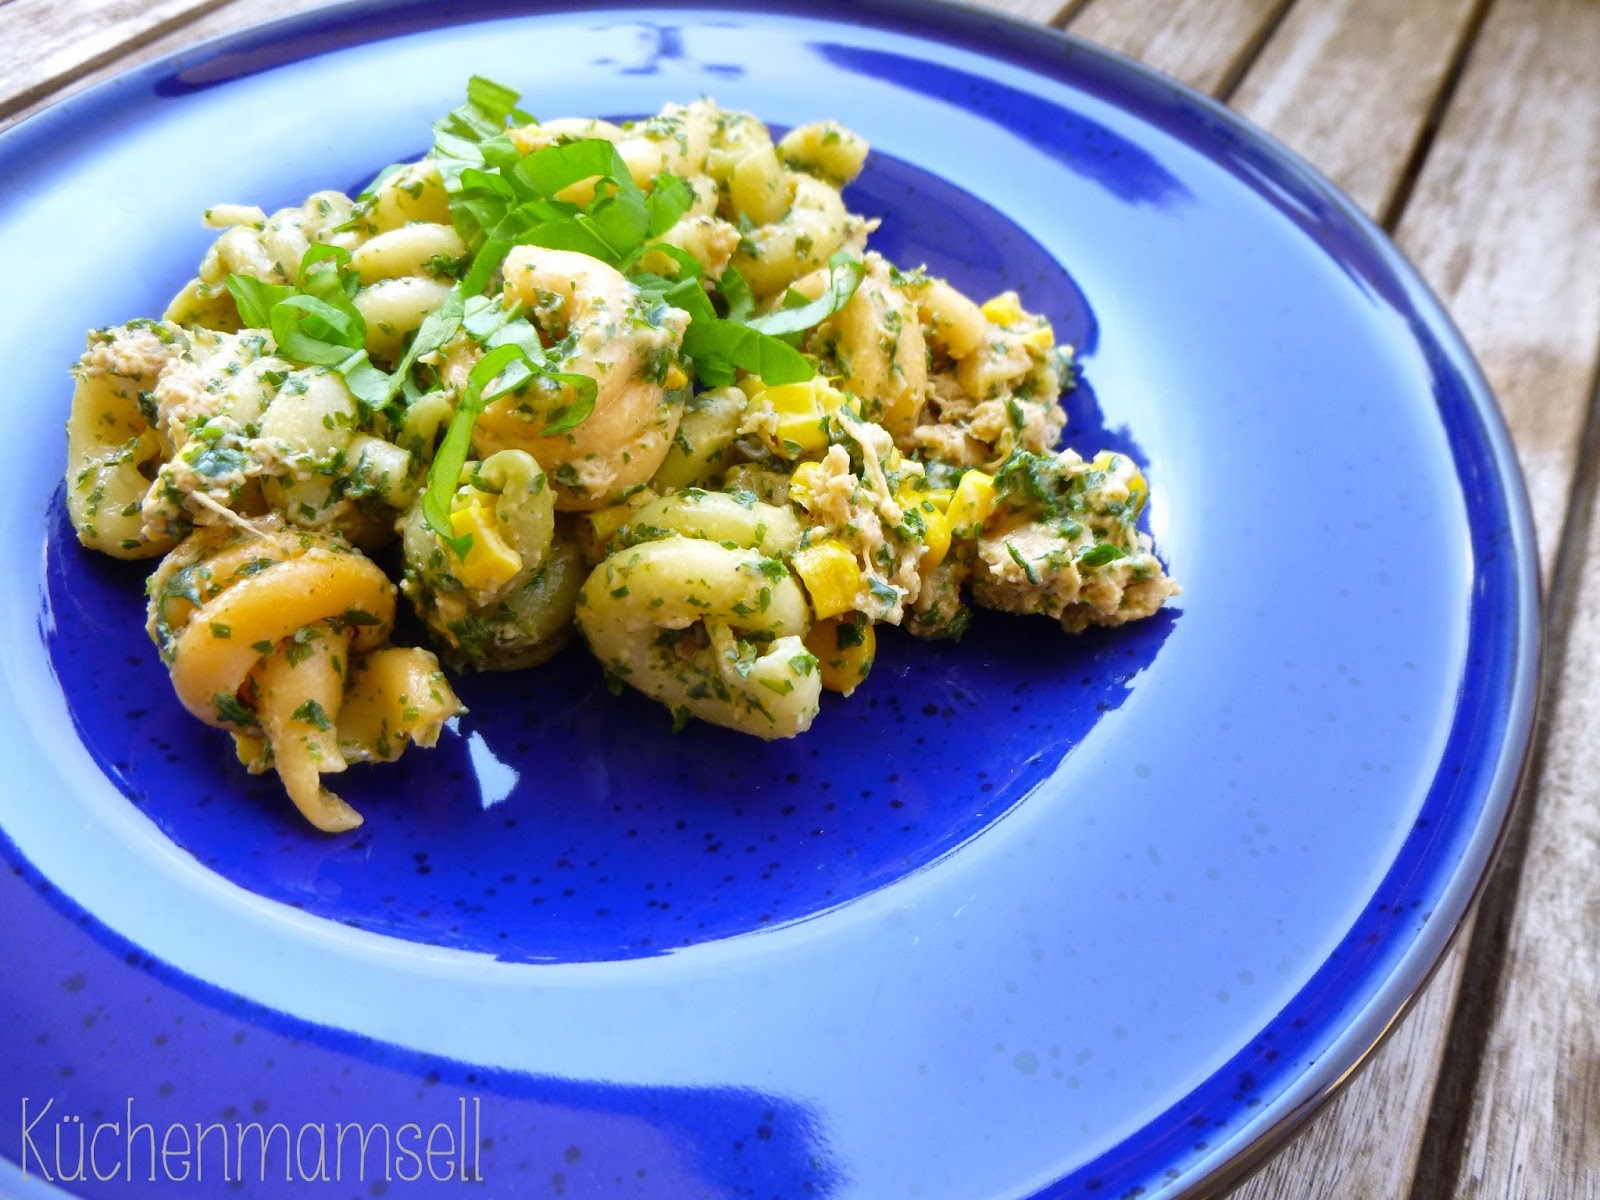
[1205,43]
[1365,1143]
[46,44]
[215,21]
[1046,12]
[1351,84]
[1532,1125]
[1504,223]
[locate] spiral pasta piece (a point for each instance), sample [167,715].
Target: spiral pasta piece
[258,625]
[625,345]
[729,519]
[260,247]
[293,698]
[711,632]
[814,225]
[113,448]
[325,582]
[874,348]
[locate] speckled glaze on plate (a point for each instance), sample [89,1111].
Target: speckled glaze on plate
[1031,916]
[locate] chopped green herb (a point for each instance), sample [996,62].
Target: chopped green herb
[311,713]
[230,710]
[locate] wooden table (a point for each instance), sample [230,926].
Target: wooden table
[1471,130]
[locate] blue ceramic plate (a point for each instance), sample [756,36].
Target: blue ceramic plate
[1028,916]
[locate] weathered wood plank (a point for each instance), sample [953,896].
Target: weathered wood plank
[1506,224]
[1351,83]
[1532,1124]
[46,44]
[1366,1142]
[1504,221]
[1205,43]
[1046,12]
[238,14]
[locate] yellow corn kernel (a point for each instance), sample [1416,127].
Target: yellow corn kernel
[675,378]
[801,399]
[489,561]
[1138,492]
[829,571]
[596,529]
[808,432]
[805,483]
[971,504]
[1004,309]
[937,538]
[844,650]
[797,399]
[1040,339]
[251,750]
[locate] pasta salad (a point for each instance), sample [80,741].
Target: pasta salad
[645,381]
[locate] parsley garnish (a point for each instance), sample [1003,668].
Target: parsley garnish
[230,710]
[1100,554]
[311,713]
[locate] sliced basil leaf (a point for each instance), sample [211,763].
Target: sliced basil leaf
[621,219]
[484,264]
[1100,554]
[483,316]
[688,295]
[254,298]
[569,416]
[325,273]
[736,294]
[573,233]
[453,154]
[518,331]
[748,349]
[496,99]
[445,472]
[669,200]
[656,286]
[500,153]
[370,386]
[556,168]
[437,328]
[845,276]
[310,330]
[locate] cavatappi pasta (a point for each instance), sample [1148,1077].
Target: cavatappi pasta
[642,380]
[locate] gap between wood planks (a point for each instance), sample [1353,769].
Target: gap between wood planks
[1252,51]
[1444,1144]
[1441,1140]
[1390,217]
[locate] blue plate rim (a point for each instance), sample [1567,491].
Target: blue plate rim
[1371,1022]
